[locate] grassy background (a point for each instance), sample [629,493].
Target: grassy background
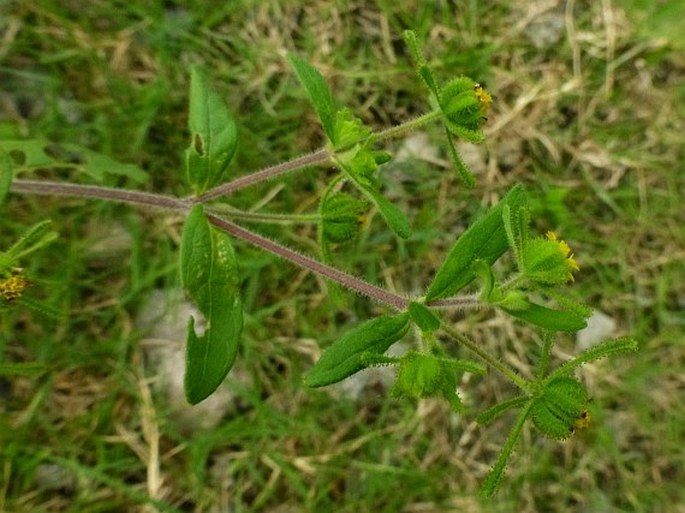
[588,113]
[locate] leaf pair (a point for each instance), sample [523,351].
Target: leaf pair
[209,269]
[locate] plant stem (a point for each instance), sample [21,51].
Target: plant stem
[50,188]
[407,126]
[462,302]
[263,217]
[318,157]
[486,357]
[182,205]
[347,280]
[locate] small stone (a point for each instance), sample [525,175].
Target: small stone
[599,327]
[418,147]
[50,476]
[546,29]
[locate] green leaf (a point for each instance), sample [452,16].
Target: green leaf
[423,317]
[36,237]
[395,218]
[346,355]
[6,175]
[214,136]
[485,239]
[209,273]
[31,155]
[422,70]
[602,350]
[492,480]
[319,93]
[549,319]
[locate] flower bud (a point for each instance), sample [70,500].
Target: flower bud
[464,103]
[561,408]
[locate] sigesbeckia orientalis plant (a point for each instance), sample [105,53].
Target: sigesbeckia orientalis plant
[555,401]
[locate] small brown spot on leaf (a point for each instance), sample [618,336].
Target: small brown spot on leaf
[199,148]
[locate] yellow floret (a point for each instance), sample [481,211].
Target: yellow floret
[566,251]
[484,97]
[13,287]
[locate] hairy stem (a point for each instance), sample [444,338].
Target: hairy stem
[462,302]
[50,188]
[407,126]
[182,205]
[318,157]
[486,357]
[263,217]
[347,280]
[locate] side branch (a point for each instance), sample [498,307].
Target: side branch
[318,157]
[347,280]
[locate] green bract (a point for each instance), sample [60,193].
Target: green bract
[36,237]
[423,375]
[349,130]
[209,274]
[213,136]
[341,215]
[346,355]
[463,171]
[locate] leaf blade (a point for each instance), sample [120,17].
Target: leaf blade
[485,239]
[214,135]
[209,273]
[318,91]
[346,355]
[548,318]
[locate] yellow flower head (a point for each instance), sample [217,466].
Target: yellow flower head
[484,98]
[13,287]
[565,250]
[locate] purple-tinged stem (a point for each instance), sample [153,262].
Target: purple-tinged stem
[50,188]
[347,280]
[318,157]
